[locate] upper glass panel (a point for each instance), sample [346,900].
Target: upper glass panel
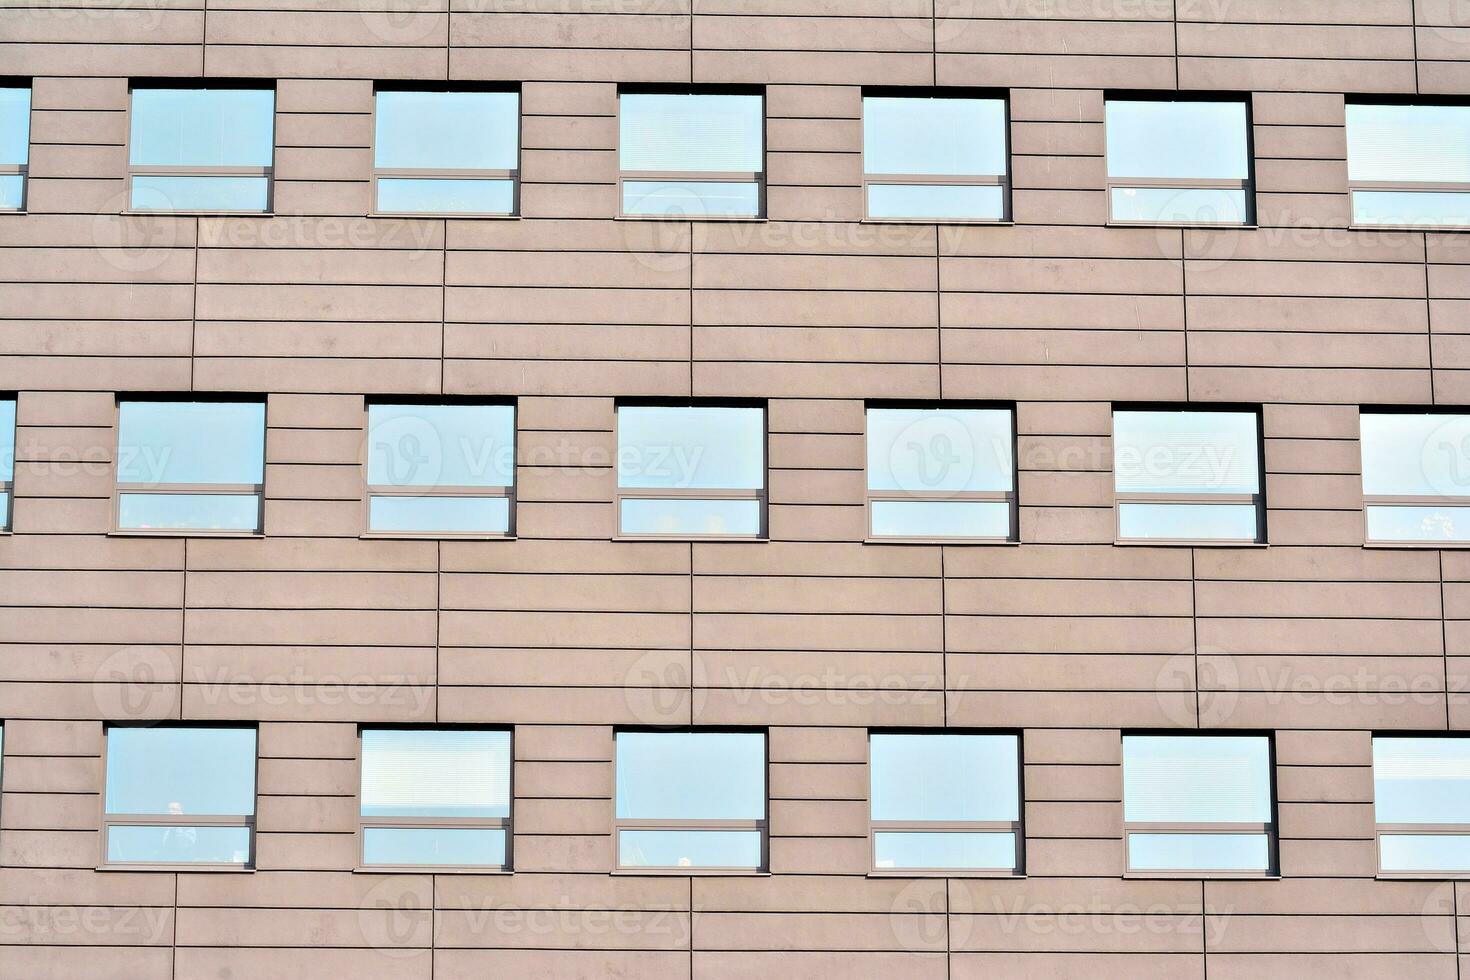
[691,447]
[447,130]
[691,132]
[1407,143]
[441,445]
[220,127]
[1421,780]
[1416,455]
[947,778]
[181,771]
[1186,452]
[435,773]
[691,776]
[934,136]
[1177,140]
[15,125]
[7,440]
[936,451]
[1196,779]
[191,442]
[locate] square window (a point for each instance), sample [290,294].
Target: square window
[190,466]
[1409,165]
[180,796]
[1416,478]
[691,471]
[435,798]
[441,470]
[15,145]
[935,158]
[691,155]
[945,803]
[7,462]
[691,801]
[1179,162]
[201,149]
[1188,476]
[1421,803]
[446,152]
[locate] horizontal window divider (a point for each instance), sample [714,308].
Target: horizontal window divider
[946,826]
[176,820]
[435,173]
[1211,827]
[640,824]
[659,493]
[192,488]
[1422,186]
[1415,500]
[14,168]
[430,823]
[998,496]
[199,171]
[1425,829]
[437,490]
[1202,497]
[694,176]
[955,180]
[1180,183]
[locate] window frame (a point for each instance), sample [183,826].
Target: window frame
[449,173]
[1017,827]
[152,170]
[106,820]
[761,826]
[1258,498]
[1403,186]
[759,177]
[23,169]
[1381,830]
[1247,185]
[1406,500]
[1003,181]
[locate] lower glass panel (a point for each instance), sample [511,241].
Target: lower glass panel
[1418,523]
[440,515]
[689,849]
[463,195]
[692,198]
[12,192]
[1428,209]
[188,512]
[941,519]
[1180,205]
[687,515]
[932,850]
[1188,522]
[178,844]
[482,846]
[1424,852]
[155,192]
[1199,852]
[958,202]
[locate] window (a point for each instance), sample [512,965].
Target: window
[201,149]
[941,473]
[1198,804]
[1188,476]
[179,796]
[1421,802]
[7,462]
[190,466]
[1185,162]
[946,802]
[935,158]
[692,155]
[1409,164]
[435,798]
[1416,478]
[691,471]
[691,801]
[15,145]
[441,470]
[446,152]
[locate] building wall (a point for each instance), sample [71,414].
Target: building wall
[565,633]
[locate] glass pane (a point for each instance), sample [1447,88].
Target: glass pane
[448,195]
[691,775]
[692,198]
[178,127]
[441,445]
[936,201]
[1416,455]
[1418,523]
[1181,205]
[928,851]
[178,844]
[1424,852]
[650,515]
[152,192]
[12,192]
[4,510]
[1408,142]
[1421,780]
[722,133]
[944,777]
[956,137]
[188,511]
[447,130]
[191,442]
[15,125]
[196,771]
[1200,140]
[1196,779]
[1430,209]
[934,450]
[1186,452]
[442,846]
[1188,522]
[703,448]
[689,848]
[440,515]
[941,519]
[435,773]
[7,440]
[1199,852]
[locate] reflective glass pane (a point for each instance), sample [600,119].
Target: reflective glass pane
[154,192]
[929,451]
[689,848]
[955,137]
[708,198]
[180,127]
[701,447]
[1196,779]
[937,201]
[440,515]
[1418,523]
[1425,209]
[685,515]
[1198,140]
[12,192]
[1421,780]
[659,131]
[437,846]
[177,844]
[1415,455]
[447,131]
[441,445]
[7,440]
[1424,852]
[691,775]
[4,509]
[1408,143]
[435,773]
[1188,522]
[941,519]
[944,777]
[1199,852]
[424,195]
[15,125]
[1186,452]
[173,770]
[190,442]
[188,511]
[922,850]
[1180,205]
